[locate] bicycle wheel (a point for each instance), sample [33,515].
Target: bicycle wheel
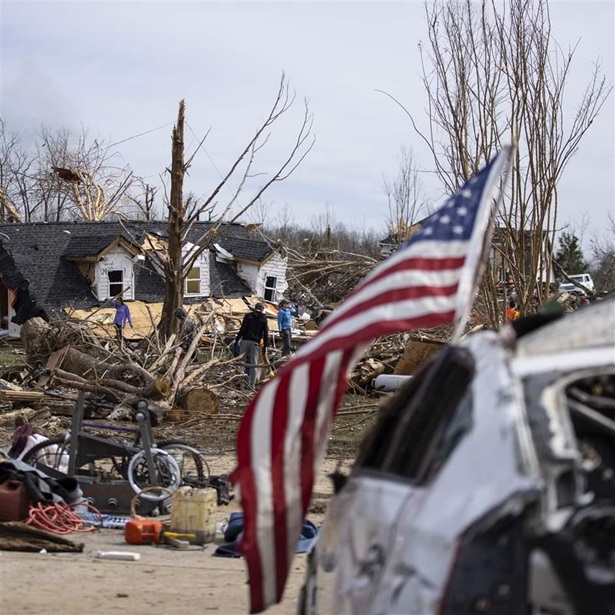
[51,454]
[192,464]
[167,471]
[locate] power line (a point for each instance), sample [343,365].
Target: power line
[141,134]
[210,160]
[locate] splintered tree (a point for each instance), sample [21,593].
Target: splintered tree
[62,177]
[241,179]
[494,74]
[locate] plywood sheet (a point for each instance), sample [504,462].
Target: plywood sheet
[145,316]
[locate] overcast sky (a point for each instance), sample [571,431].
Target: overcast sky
[120,68]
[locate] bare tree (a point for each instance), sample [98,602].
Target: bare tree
[184,213]
[61,177]
[86,173]
[143,196]
[494,74]
[13,165]
[603,252]
[405,199]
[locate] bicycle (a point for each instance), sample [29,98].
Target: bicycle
[105,465]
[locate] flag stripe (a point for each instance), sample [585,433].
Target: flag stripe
[362,326]
[283,436]
[278,431]
[430,273]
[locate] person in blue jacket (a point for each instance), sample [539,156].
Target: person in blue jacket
[285,324]
[122,317]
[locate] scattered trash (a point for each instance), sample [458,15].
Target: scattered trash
[110,522]
[234,530]
[127,556]
[193,512]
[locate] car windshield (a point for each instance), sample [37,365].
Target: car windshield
[577,278]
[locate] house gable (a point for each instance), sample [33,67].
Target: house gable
[68,263]
[267,279]
[94,248]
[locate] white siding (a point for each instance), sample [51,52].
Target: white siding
[249,274]
[256,277]
[116,259]
[14,329]
[203,263]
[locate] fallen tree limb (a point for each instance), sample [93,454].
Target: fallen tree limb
[26,413]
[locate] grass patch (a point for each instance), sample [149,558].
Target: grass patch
[9,358]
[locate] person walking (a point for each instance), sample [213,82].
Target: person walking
[252,333]
[122,317]
[187,329]
[285,324]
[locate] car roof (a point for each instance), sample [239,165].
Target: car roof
[592,326]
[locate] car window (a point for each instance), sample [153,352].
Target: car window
[425,421]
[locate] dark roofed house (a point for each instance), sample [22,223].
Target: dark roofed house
[80,264]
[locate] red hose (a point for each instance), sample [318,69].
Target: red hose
[60,518]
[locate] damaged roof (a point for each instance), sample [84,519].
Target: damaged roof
[255,250]
[39,252]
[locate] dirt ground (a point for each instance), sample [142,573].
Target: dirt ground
[163,581]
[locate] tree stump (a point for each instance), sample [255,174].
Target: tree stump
[199,400]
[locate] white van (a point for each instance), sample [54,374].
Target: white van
[584,279]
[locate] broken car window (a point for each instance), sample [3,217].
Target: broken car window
[426,420]
[591,402]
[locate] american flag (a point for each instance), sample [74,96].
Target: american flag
[430,280]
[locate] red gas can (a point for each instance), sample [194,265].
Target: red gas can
[139,531]
[14,501]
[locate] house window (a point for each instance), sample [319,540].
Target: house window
[116,282]
[270,288]
[193,281]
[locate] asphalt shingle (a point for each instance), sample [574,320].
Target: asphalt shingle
[38,253]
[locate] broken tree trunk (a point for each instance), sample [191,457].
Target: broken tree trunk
[158,388]
[27,414]
[36,335]
[87,366]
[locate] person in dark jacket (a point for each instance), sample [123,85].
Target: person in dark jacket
[252,333]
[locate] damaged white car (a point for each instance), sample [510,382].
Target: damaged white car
[487,484]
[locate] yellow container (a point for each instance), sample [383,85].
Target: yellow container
[193,511]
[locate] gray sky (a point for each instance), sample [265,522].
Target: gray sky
[120,68]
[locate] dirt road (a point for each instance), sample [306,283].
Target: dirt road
[164,581]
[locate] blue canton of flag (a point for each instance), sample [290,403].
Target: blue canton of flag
[455,219]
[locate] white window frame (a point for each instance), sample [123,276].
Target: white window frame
[193,280]
[273,288]
[121,283]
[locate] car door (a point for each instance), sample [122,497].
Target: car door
[411,440]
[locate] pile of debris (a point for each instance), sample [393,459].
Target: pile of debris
[195,388]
